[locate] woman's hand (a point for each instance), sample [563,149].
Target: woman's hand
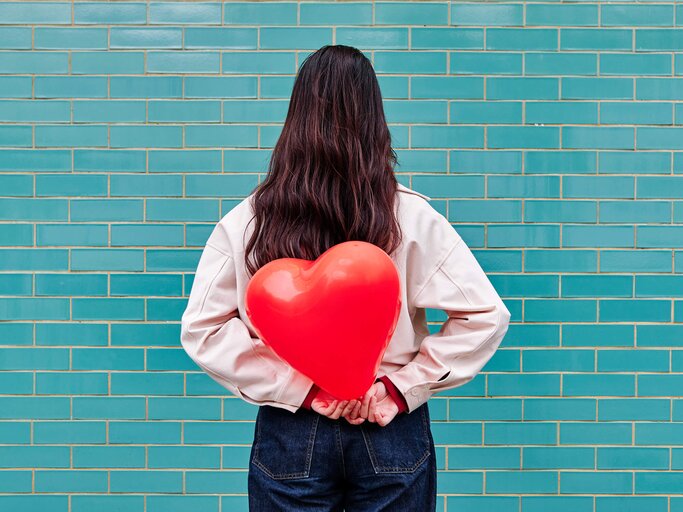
[327,405]
[377,407]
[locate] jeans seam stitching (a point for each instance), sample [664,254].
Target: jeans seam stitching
[337,431]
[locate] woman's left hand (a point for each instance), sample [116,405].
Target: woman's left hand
[377,407]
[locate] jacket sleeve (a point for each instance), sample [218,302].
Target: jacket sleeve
[219,342]
[477,323]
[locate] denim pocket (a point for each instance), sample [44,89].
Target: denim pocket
[402,445]
[283,445]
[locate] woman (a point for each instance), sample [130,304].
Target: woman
[331,180]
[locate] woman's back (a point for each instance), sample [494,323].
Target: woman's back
[437,270]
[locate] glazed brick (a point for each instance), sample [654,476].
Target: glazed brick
[636,15]
[632,458]
[659,187]
[169,408]
[593,286]
[568,360]
[572,162]
[489,409]
[597,482]
[114,13]
[489,63]
[484,458]
[355,13]
[656,482]
[610,384]
[201,161]
[288,38]
[458,38]
[108,456]
[482,14]
[35,12]
[65,38]
[175,62]
[125,37]
[185,12]
[533,482]
[285,13]
[400,13]
[75,284]
[380,37]
[630,503]
[150,481]
[559,409]
[562,457]
[567,260]
[574,88]
[558,503]
[633,409]
[582,433]
[561,15]
[595,39]
[427,62]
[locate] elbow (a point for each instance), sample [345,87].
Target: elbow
[504,317]
[505,313]
[495,318]
[498,327]
[187,340]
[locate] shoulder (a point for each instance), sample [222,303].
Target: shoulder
[231,231]
[406,190]
[422,222]
[239,214]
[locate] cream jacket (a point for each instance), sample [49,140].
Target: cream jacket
[437,270]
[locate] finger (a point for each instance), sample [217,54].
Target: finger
[353,418]
[349,407]
[381,418]
[340,407]
[331,405]
[353,413]
[356,410]
[371,409]
[386,419]
[366,403]
[352,422]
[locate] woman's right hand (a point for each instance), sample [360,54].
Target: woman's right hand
[327,405]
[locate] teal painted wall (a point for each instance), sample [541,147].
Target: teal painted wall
[549,133]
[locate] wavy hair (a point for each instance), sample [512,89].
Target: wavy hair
[331,174]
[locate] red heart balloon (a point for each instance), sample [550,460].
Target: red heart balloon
[332,318]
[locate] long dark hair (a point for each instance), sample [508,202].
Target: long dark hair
[330,177]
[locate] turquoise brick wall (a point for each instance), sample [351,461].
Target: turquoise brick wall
[549,133]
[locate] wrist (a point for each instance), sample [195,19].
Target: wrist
[310,396]
[395,394]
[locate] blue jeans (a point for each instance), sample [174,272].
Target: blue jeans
[305,461]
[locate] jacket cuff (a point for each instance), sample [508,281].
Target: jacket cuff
[395,394]
[294,390]
[309,398]
[414,395]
